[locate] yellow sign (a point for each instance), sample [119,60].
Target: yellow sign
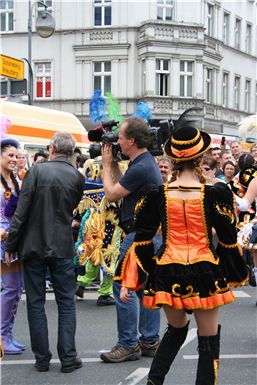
[11,68]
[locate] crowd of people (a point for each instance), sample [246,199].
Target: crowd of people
[164,232]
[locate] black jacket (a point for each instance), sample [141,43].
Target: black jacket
[41,225]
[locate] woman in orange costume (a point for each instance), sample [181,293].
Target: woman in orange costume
[188,274]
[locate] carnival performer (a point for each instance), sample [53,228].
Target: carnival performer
[12,275]
[187,274]
[246,235]
[99,235]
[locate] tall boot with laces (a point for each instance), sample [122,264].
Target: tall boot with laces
[208,363]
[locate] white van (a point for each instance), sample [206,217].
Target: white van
[34,126]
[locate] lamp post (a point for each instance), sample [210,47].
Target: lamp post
[45,27]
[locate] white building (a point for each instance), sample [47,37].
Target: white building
[174,54]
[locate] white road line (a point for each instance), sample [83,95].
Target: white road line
[92,295]
[135,377]
[240,294]
[222,356]
[190,336]
[53,361]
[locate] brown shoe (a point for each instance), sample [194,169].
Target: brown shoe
[147,349]
[120,354]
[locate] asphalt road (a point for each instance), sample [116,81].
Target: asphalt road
[96,332]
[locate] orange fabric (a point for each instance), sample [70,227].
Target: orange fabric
[187,234]
[41,133]
[22,173]
[189,151]
[164,298]
[130,277]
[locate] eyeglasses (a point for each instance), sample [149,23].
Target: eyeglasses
[206,168]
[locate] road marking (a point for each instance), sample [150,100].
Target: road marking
[240,294]
[53,361]
[190,336]
[92,295]
[223,356]
[135,377]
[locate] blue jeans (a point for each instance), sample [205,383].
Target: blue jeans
[63,279]
[132,315]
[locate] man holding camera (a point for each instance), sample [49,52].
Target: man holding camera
[134,136]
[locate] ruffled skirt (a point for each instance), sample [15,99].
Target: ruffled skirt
[202,285]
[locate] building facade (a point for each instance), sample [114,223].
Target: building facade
[174,54]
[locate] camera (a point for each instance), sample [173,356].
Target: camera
[158,136]
[103,134]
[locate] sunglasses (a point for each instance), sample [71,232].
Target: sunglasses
[206,168]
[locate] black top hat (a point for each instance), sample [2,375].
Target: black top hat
[246,175]
[187,143]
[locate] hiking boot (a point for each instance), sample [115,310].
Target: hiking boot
[80,291]
[148,350]
[120,354]
[105,300]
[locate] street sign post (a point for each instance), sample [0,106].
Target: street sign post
[11,67]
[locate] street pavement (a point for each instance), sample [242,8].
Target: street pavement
[96,332]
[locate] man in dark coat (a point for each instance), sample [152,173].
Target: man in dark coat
[41,234]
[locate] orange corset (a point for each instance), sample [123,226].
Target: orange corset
[187,237]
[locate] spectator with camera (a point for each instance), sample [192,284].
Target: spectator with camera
[143,171]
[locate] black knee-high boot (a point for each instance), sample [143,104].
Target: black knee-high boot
[165,354]
[208,363]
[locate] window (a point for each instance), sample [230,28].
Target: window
[247,95]
[103,12]
[225,89]
[210,19]
[162,72]
[236,92]
[186,78]
[237,33]
[209,85]
[102,76]
[6,11]
[226,28]
[43,75]
[41,8]
[248,38]
[165,9]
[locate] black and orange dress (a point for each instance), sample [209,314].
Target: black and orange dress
[187,272]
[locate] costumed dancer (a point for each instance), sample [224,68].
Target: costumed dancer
[187,274]
[247,236]
[11,275]
[99,235]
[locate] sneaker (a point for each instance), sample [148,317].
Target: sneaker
[70,367]
[80,291]
[148,350]
[105,300]
[120,354]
